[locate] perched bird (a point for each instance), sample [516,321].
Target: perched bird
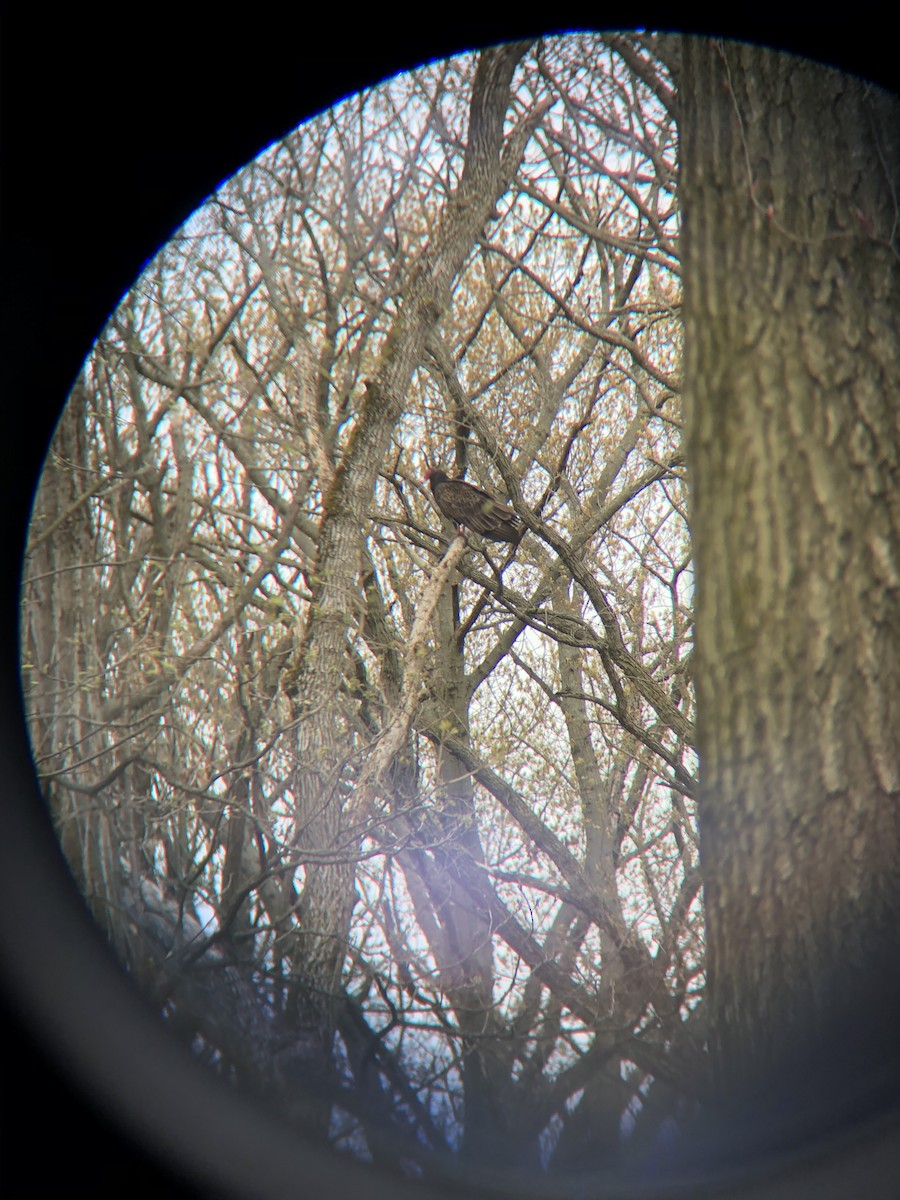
[464,504]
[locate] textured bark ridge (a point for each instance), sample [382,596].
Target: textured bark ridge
[790,179]
[327,900]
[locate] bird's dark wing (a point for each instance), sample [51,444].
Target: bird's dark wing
[464,504]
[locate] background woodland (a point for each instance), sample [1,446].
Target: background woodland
[488,942]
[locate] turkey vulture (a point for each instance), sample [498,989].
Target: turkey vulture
[464,504]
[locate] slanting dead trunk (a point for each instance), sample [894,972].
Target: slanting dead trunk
[790,178]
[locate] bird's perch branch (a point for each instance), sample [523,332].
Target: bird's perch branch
[396,731]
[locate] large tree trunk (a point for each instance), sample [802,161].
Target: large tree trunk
[790,178]
[323,733]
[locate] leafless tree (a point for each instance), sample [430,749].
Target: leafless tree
[397,830]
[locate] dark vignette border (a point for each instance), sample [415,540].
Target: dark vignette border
[113,128]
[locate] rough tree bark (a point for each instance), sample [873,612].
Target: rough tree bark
[790,177]
[327,901]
